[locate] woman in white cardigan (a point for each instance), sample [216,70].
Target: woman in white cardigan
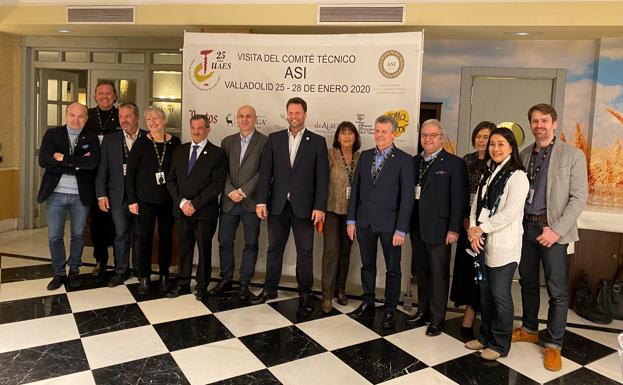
[495,234]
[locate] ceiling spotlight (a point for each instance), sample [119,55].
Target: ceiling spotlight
[522,33]
[64,31]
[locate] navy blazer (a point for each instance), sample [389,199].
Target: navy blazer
[81,163]
[204,183]
[110,181]
[385,204]
[443,196]
[307,180]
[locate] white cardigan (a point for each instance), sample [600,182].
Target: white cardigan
[504,229]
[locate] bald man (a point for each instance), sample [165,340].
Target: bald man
[69,156]
[244,152]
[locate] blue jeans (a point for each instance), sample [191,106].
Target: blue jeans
[58,204]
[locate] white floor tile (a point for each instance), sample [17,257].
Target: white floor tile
[171,309]
[9,262]
[609,366]
[27,289]
[604,338]
[99,298]
[337,331]
[430,350]
[217,361]
[324,368]
[252,319]
[527,359]
[80,378]
[428,376]
[37,332]
[126,345]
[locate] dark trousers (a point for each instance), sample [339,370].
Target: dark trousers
[148,213]
[278,233]
[496,302]
[194,231]
[368,240]
[102,233]
[432,269]
[126,230]
[228,224]
[554,261]
[336,254]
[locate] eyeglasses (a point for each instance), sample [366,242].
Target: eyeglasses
[430,136]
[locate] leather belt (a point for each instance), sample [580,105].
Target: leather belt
[540,219]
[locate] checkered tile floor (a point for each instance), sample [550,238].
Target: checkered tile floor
[101,335]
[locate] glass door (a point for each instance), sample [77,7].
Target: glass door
[131,86]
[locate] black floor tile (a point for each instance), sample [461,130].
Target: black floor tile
[109,319]
[471,369]
[583,376]
[157,370]
[194,331]
[226,301]
[154,292]
[23,273]
[31,308]
[374,322]
[453,327]
[261,377]
[282,345]
[289,309]
[379,360]
[42,362]
[580,349]
[91,282]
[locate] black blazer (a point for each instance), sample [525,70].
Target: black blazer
[81,163]
[110,181]
[384,205]
[442,200]
[142,167]
[204,183]
[307,180]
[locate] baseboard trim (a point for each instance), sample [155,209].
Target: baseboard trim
[8,224]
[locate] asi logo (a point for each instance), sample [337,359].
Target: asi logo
[402,118]
[202,70]
[391,64]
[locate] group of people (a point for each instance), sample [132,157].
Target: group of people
[504,210]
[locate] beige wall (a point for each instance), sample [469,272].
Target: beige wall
[9,124]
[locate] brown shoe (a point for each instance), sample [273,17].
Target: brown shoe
[489,355]
[342,299]
[326,306]
[551,359]
[474,345]
[521,335]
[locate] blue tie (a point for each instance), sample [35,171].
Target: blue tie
[193,158]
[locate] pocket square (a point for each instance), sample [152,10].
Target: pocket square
[85,146]
[441,172]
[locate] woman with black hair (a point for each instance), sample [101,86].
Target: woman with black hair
[343,157]
[495,234]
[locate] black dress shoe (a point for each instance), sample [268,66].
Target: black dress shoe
[245,294]
[467,334]
[177,290]
[118,279]
[388,320]
[220,288]
[419,319]
[201,294]
[73,279]
[433,330]
[364,310]
[57,282]
[143,287]
[98,269]
[165,283]
[305,305]
[264,296]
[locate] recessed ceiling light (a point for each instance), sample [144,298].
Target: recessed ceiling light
[522,33]
[64,31]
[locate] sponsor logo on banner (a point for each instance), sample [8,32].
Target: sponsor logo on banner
[229,120]
[203,70]
[402,118]
[324,126]
[212,118]
[391,64]
[361,125]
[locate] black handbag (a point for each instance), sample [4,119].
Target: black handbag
[585,305]
[610,296]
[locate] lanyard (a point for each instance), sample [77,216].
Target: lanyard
[377,171]
[350,167]
[99,119]
[159,157]
[126,150]
[534,172]
[422,170]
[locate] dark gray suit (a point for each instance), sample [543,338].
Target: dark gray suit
[110,183]
[245,176]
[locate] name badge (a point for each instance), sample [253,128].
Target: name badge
[530,196]
[484,215]
[348,188]
[125,169]
[472,196]
[160,178]
[100,138]
[418,190]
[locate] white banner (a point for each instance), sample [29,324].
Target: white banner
[353,77]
